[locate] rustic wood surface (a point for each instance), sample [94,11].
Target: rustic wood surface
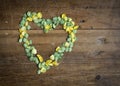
[95,59]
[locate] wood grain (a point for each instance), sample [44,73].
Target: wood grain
[95,59]
[95,14]
[91,56]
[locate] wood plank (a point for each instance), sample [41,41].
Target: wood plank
[95,13]
[96,52]
[101,39]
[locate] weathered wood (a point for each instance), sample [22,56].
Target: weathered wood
[107,40]
[96,52]
[95,59]
[100,14]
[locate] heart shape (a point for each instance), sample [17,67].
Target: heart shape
[46,25]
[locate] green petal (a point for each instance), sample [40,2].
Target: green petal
[38,72]
[33,13]
[30,41]
[26,35]
[24,39]
[55,19]
[25,45]
[28,27]
[20,40]
[62,22]
[74,31]
[36,61]
[39,65]
[31,58]
[28,13]
[28,54]
[70,49]
[27,50]
[54,26]
[36,21]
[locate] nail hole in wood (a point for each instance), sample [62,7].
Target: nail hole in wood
[98,77]
[82,21]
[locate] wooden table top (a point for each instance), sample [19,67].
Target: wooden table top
[95,59]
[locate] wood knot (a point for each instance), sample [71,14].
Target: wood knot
[96,53]
[101,40]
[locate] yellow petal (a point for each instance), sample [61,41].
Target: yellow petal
[48,62]
[55,63]
[52,57]
[27,42]
[43,70]
[47,27]
[29,19]
[70,19]
[69,29]
[57,48]
[73,35]
[26,24]
[39,15]
[21,36]
[64,26]
[33,16]
[73,23]
[22,30]
[34,51]
[40,58]
[65,18]
[63,15]
[73,40]
[76,27]
[67,44]
[23,33]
